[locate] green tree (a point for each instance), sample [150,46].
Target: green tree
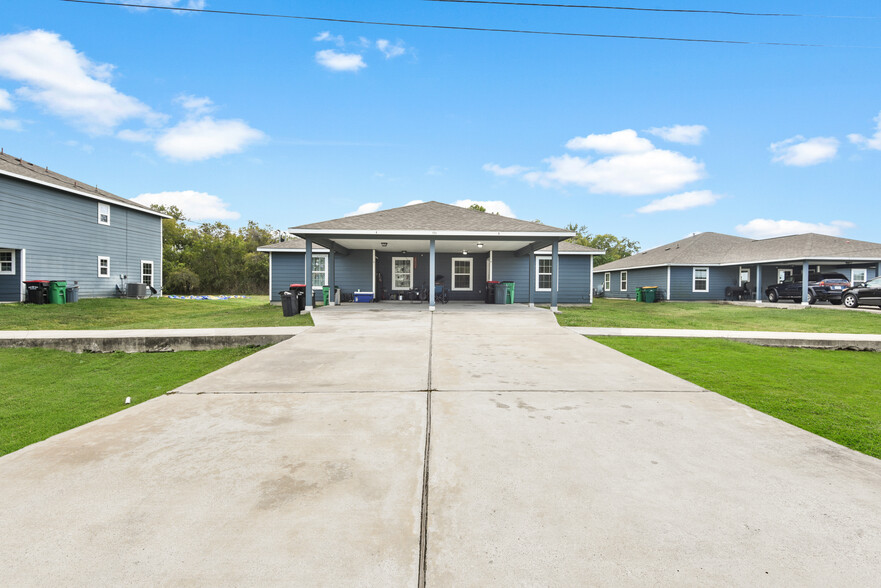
[614,247]
[477,207]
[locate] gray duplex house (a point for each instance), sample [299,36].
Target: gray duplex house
[53,227]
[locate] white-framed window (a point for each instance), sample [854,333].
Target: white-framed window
[783,275]
[744,275]
[103,267]
[147,272]
[544,268]
[700,279]
[7,262]
[402,273]
[856,275]
[607,281]
[319,272]
[623,285]
[103,214]
[463,274]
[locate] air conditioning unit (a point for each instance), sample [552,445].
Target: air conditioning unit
[136,290]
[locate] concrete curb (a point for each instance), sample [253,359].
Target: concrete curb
[843,341]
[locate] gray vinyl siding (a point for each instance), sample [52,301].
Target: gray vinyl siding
[682,284]
[636,278]
[352,272]
[63,239]
[573,285]
[443,267]
[10,284]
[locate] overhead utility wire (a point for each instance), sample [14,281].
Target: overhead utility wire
[633,8]
[461,28]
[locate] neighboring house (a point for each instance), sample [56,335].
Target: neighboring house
[702,266]
[55,228]
[393,251]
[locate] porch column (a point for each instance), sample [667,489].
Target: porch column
[590,274]
[307,279]
[331,276]
[531,284]
[805,273]
[431,274]
[555,270]
[877,270]
[758,284]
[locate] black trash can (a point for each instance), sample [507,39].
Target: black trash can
[491,291]
[299,291]
[288,303]
[37,291]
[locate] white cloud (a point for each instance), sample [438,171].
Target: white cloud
[365,208]
[326,36]
[762,228]
[336,61]
[495,206]
[10,124]
[67,83]
[873,142]
[682,201]
[390,51]
[412,202]
[205,138]
[802,152]
[195,105]
[626,141]
[6,101]
[687,134]
[142,136]
[435,170]
[498,170]
[196,206]
[193,4]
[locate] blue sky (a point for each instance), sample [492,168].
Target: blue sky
[287,122]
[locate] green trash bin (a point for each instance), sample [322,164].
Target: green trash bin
[509,295]
[649,294]
[639,294]
[57,292]
[326,295]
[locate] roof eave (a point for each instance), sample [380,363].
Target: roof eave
[374,233]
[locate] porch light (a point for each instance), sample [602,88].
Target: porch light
[384,244]
[479,245]
[464,252]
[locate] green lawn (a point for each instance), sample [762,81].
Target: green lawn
[835,394]
[45,392]
[152,313]
[698,315]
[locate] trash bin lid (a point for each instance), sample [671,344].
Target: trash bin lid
[298,285]
[36,281]
[492,281]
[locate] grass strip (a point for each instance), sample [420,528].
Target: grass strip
[152,313]
[707,315]
[45,391]
[834,394]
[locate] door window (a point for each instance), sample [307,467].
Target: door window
[402,273]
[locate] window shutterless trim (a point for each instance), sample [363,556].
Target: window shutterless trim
[11,261]
[410,287]
[539,273]
[694,279]
[607,281]
[622,281]
[152,267]
[470,273]
[102,210]
[100,259]
[325,272]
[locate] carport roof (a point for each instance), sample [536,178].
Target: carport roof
[298,245]
[719,249]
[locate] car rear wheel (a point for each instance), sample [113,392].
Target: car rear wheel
[772,296]
[850,301]
[812,298]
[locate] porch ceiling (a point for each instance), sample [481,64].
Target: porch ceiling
[441,246]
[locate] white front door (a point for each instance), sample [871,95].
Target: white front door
[402,273]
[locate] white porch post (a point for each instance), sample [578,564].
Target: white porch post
[555,271]
[877,270]
[431,274]
[24,275]
[669,297]
[331,276]
[531,284]
[805,273]
[590,269]
[307,279]
[758,284]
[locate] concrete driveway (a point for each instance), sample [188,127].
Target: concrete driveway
[550,460]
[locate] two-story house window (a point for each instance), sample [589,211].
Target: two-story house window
[103,214]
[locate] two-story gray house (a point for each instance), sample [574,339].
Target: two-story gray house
[53,227]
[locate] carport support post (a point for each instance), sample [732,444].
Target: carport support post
[877,271]
[431,274]
[308,275]
[555,270]
[758,284]
[805,274]
[331,276]
[531,279]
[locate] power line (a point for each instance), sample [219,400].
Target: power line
[463,28]
[632,8]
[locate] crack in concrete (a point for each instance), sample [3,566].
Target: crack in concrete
[423,523]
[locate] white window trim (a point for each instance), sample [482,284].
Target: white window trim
[152,272]
[622,281]
[749,275]
[607,282]
[309,271]
[694,271]
[537,274]
[12,252]
[102,206]
[781,274]
[470,261]
[100,259]
[410,287]
[853,277]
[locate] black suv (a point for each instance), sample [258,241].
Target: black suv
[821,286]
[868,293]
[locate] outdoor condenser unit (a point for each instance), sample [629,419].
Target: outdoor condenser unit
[136,290]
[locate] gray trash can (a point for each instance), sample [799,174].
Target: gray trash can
[501,292]
[72,293]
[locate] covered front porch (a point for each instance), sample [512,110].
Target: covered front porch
[759,276]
